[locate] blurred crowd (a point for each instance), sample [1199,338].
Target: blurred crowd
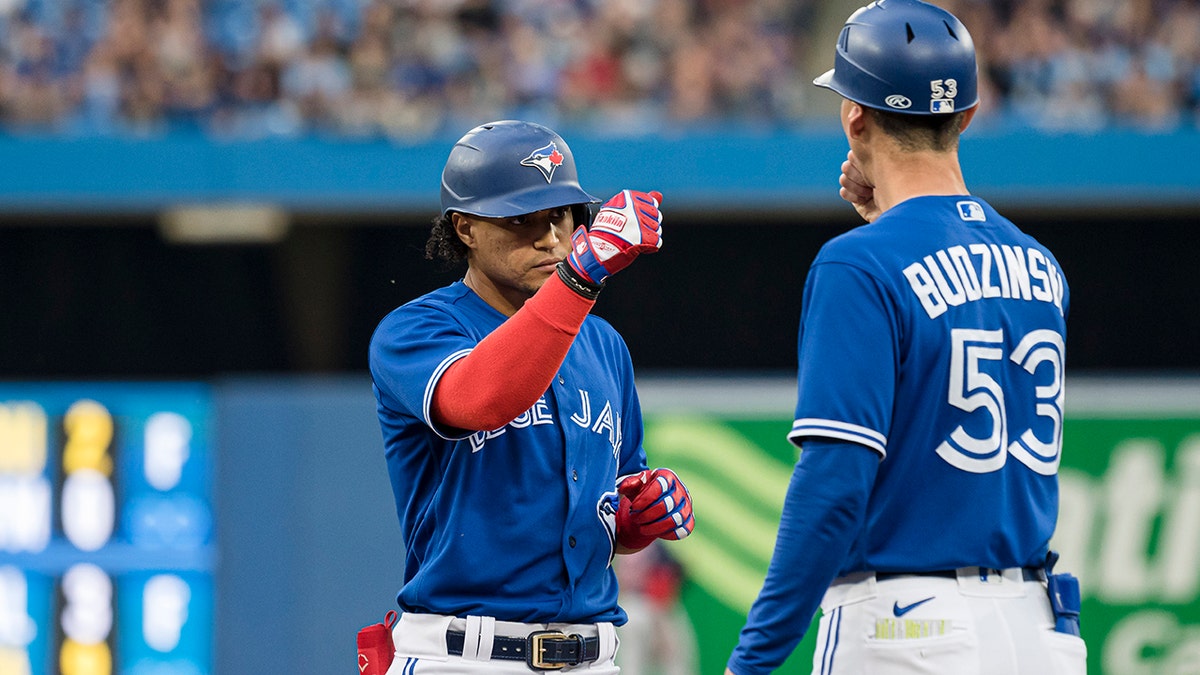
[410,69]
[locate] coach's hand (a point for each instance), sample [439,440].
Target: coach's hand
[654,505]
[626,226]
[858,189]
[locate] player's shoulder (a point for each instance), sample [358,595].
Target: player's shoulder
[438,299]
[856,246]
[602,338]
[914,225]
[448,303]
[452,295]
[598,328]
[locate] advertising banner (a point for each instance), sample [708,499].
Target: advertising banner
[1129,522]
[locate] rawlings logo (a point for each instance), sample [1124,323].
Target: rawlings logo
[545,159]
[898,101]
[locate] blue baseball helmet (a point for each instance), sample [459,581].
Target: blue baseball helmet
[905,56]
[510,168]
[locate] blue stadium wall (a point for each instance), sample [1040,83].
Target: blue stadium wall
[726,170]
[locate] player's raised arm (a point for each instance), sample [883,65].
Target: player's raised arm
[509,369]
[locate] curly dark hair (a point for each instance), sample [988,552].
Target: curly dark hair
[443,243]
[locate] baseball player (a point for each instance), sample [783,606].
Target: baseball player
[512,430]
[930,407]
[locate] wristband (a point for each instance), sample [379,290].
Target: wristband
[577,283]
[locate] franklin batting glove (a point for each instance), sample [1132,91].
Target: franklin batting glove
[655,504]
[626,226]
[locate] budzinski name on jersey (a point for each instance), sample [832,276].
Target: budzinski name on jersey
[960,274]
[608,420]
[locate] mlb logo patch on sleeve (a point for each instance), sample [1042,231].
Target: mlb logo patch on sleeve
[971,211]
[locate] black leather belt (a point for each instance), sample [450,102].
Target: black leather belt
[541,650]
[1027,573]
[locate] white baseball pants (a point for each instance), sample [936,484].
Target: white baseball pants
[976,623]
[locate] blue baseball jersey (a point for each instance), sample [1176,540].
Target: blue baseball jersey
[515,523]
[935,336]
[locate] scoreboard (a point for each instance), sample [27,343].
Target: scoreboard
[107,548]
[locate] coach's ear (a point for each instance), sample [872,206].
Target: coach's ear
[462,227]
[854,120]
[968,115]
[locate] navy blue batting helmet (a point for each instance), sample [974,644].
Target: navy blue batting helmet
[510,168]
[905,56]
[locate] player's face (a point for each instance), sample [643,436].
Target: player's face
[510,258]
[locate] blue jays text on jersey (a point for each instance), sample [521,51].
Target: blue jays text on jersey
[951,364]
[608,422]
[517,522]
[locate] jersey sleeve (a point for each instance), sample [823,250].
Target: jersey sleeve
[409,352]
[848,358]
[824,507]
[498,381]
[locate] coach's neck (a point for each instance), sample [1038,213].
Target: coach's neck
[899,173]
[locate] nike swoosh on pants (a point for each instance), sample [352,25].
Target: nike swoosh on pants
[901,611]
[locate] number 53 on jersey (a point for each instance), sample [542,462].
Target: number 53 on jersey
[973,389]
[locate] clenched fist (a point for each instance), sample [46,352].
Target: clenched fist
[626,226]
[654,505]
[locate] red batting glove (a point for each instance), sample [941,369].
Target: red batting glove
[655,504]
[626,226]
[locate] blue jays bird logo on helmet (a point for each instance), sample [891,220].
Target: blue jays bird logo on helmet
[545,159]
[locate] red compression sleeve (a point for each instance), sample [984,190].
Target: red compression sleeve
[506,373]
